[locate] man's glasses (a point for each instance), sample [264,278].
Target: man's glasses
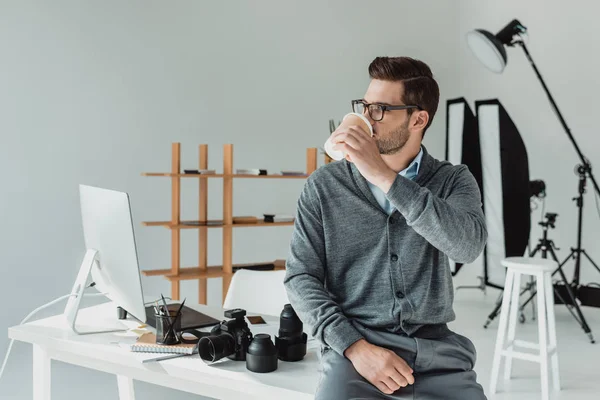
[376,111]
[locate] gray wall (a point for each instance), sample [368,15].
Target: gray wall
[95,92]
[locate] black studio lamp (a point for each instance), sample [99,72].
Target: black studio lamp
[490,49]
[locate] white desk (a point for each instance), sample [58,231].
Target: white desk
[52,340]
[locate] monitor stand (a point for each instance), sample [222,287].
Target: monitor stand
[74,302]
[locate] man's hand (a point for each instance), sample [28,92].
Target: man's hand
[364,153]
[382,367]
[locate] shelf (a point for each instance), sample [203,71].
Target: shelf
[167,174]
[211,272]
[182,225]
[197,273]
[262,223]
[202,176]
[168,225]
[272,176]
[228,174]
[159,272]
[156,223]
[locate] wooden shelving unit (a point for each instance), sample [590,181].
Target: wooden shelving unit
[202,272]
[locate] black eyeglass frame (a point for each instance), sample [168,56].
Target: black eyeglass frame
[384,107]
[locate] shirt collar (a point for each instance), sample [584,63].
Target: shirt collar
[414,165]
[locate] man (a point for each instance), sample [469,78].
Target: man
[368,268]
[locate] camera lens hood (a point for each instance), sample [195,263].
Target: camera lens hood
[262,354]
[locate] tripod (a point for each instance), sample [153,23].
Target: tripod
[583,171]
[546,246]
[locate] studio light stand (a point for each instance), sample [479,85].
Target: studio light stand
[490,50]
[546,246]
[584,171]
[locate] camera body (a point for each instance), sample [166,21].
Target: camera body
[537,189]
[551,217]
[230,338]
[550,220]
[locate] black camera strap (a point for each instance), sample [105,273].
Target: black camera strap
[194,332]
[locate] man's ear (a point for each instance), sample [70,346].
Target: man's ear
[420,120]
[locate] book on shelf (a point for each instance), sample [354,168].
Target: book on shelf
[293,173]
[200,171]
[256,267]
[251,171]
[245,220]
[278,218]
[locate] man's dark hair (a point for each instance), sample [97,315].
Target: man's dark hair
[419,86]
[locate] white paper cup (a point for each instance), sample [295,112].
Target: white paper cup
[337,154]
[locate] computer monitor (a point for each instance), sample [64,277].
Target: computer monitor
[110,261]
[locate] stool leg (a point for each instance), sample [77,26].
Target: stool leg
[552,330]
[542,332]
[508,286]
[512,324]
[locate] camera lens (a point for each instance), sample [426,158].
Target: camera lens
[213,348]
[291,342]
[289,323]
[262,354]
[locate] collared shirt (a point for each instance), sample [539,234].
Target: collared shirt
[409,172]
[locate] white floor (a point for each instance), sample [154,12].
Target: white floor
[579,359]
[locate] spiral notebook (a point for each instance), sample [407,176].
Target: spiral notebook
[147,344]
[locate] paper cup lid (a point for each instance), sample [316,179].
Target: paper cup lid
[364,119]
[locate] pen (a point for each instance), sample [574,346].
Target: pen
[167,320]
[168,357]
[165,303]
[179,310]
[177,315]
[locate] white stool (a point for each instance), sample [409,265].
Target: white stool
[542,270]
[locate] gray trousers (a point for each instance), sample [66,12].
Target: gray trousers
[443,369]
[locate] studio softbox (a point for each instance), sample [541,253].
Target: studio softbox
[506,194]
[462,144]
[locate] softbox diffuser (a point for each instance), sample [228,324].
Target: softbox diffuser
[506,193]
[462,143]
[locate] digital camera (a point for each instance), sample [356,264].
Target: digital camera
[230,338]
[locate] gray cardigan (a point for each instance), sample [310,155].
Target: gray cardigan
[349,262]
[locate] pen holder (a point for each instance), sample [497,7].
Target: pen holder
[168,328]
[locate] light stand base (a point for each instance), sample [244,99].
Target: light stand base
[481,286]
